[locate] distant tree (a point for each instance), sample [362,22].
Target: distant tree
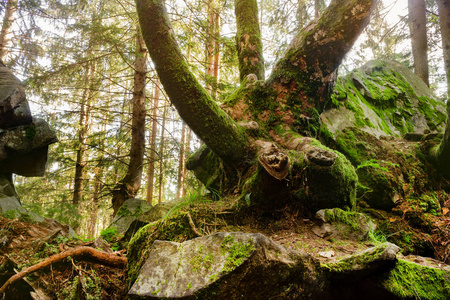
[418,29]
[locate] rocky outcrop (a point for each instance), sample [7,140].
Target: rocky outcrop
[384,98]
[24,140]
[237,265]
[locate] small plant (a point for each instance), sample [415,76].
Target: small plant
[109,234]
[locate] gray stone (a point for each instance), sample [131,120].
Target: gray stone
[131,210]
[222,266]
[14,109]
[340,224]
[365,262]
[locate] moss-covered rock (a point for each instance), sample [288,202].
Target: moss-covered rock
[384,98]
[409,280]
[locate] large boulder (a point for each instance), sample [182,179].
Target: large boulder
[384,98]
[224,266]
[24,140]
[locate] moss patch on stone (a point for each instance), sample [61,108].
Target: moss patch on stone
[410,280]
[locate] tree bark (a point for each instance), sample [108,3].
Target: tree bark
[442,153]
[152,149]
[319,6]
[82,133]
[444,19]
[181,162]
[313,56]
[192,101]
[419,41]
[248,39]
[161,156]
[8,20]
[130,184]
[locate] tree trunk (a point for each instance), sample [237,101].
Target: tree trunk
[187,153]
[82,133]
[248,39]
[152,149]
[319,6]
[161,156]
[442,153]
[130,184]
[266,119]
[181,162]
[212,47]
[8,20]
[419,41]
[194,104]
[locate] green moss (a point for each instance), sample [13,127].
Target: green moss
[202,260]
[355,262]
[410,280]
[237,252]
[345,217]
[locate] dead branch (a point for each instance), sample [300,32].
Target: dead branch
[79,252]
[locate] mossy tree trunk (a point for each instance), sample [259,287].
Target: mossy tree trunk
[248,39]
[264,119]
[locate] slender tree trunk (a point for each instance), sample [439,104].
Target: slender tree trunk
[187,153]
[444,19]
[213,47]
[419,42]
[152,148]
[248,39]
[181,162]
[442,153]
[161,156]
[131,183]
[8,20]
[83,124]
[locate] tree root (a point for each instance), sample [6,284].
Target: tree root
[79,252]
[194,229]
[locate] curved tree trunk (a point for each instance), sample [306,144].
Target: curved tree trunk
[275,114]
[192,101]
[418,28]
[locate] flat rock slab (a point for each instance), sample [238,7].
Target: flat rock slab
[207,268]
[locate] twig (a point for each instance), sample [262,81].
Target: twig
[108,259]
[193,225]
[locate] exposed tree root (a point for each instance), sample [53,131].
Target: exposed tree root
[194,229]
[79,252]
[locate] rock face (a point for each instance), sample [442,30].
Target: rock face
[224,266]
[237,265]
[24,140]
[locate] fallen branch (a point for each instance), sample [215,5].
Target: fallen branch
[80,252]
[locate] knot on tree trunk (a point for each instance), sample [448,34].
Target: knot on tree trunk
[321,157]
[275,162]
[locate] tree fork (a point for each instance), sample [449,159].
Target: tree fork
[315,53]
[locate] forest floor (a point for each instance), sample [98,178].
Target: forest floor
[24,243]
